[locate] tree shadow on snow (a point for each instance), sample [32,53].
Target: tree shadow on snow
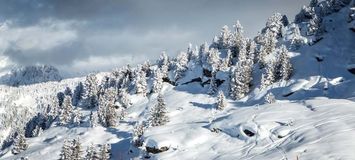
[201,105]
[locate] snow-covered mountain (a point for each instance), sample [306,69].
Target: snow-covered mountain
[31,74]
[288,93]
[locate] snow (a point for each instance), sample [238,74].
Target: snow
[313,117]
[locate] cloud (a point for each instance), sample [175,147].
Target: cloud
[69,34]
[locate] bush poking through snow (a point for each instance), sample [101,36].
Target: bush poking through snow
[221,101]
[270,98]
[158,114]
[20,144]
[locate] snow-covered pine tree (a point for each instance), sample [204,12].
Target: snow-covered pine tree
[237,39]
[227,61]
[241,76]
[66,152]
[124,99]
[315,26]
[213,61]
[180,65]
[157,81]
[76,118]
[107,110]
[268,47]
[138,132]
[20,143]
[270,98]
[91,88]
[105,152]
[76,149]
[202,53]
[158,114]
[275,24]
[68,92]
[163,64]
[313,3]
[296,37]
[213,84]
[146,68]
[285,66]
[66,111]
[91,153]
[268,75]
[140,82]
[221,101]
[224,40]
[93,119]
[78,93]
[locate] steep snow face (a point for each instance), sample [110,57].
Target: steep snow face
[31,74]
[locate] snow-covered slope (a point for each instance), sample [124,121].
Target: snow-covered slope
[313,116]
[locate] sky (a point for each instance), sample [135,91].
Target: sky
[82,36]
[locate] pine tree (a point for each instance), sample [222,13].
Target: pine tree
[76,153]
[241,76]
[107,110]
[268,47]
[224,41]
[313,3]
[226,62]
[124,98]
[221,101]
[157,81]
[270,98]
[91,153]
[315,26]
[296,37]
[213,61]
[66,152]
[275,24]
[66,111]
[20,143]
[202,53]
[93,119]
[105,152]
[158,114]
[213,84]
[91,95]
[285,64]
[140,82]
[78,93]
[237,39]
[138,132]
[76,118]
[268,76]
[163,64]
[68,92]
[180,66]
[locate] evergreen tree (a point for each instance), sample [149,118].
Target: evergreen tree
[213,61]
[270,98]
[221,101]
[163,64]
[20,143]
[66,152]
[224,41]
[226,62]
[93,119]
[268,76]
[268,47]
[105,152]
[68,92]
[107,111]
[66,111]
[157,81]
[78,93]
[275,24]
[140,82]
[91,153]
[296,37]
[315,26]
[138,132]
[285,67]
[180,66]
[241,76]
[76,153]
[313,3]
[76,118]
[237,39]
[213,84]
[124,98]
[158,114]
[91,95]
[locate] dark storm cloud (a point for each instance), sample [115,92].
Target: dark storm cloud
[139,29]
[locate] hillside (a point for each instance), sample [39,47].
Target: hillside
[288,93]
